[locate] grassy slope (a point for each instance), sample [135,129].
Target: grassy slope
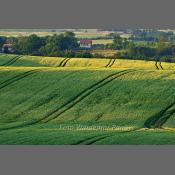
[127,101]
[50,134]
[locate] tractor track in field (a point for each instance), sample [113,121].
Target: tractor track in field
[158,119]
[44,101]
[101,115]
[12,61]
[60,65]
[110,63]
[160,65]
[75,100]
[94,139]
[25,100]
[82,95]
[97,139]
[17,78]
[98,117]
[8,60]
[156,65]
[91,140]
[63,62]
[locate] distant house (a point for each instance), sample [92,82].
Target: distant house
[86,43]
[7,48]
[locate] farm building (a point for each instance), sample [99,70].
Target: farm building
[7,48]
[86,43]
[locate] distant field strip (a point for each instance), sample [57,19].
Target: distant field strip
[39,61]
[17,78]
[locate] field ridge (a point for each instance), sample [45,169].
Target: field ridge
[17,78]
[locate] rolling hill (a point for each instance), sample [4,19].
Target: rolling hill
[47,100]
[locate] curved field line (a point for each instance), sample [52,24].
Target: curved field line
[41,102]
[82,95]
[109,63]
[8,62]
[94,139]
[156,66]
[158,119]
[17,78]
[98,117]
[112,63]
[90,140]
[26,100]
[62,62]
[160,64]
[65,62]
[98,139]
[110,135]
[68,105]
[13,61]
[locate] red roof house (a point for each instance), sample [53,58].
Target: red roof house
[86,43]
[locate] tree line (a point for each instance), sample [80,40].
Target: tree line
[62,45]
[66,45]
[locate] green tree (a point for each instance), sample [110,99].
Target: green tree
[28,45]
[2,41]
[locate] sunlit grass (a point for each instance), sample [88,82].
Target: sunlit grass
[116,108]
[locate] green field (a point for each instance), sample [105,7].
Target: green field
[47,100]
